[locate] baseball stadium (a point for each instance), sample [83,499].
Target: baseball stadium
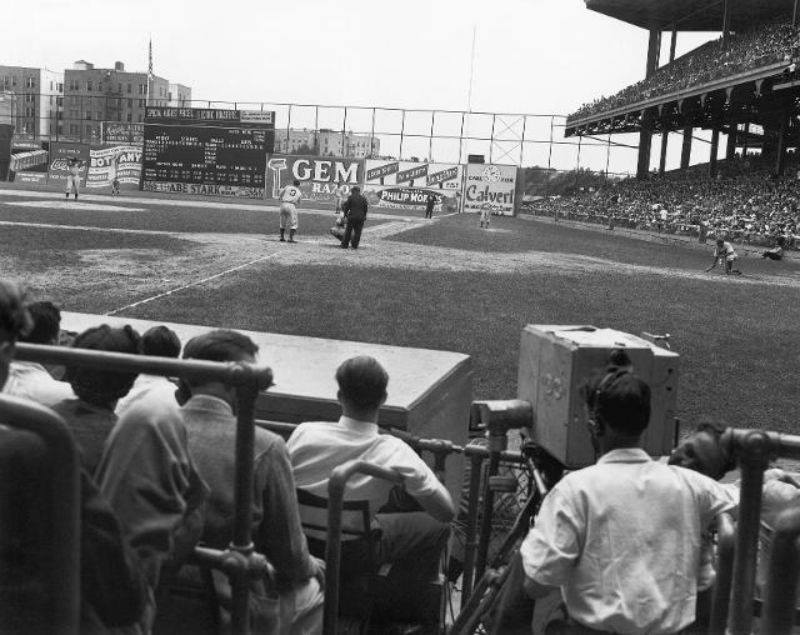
[520,359]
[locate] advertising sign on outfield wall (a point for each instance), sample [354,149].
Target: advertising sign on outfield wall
[122,161]
[60,154]
[407,184]
[490,185]
[123,132]
[318,176]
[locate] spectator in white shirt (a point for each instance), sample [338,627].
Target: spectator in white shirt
[158,341]
[31,380]
[622,539]
[412,524]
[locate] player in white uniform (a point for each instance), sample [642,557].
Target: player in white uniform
[340,196]
[289,196]
[726,252]
[74,177]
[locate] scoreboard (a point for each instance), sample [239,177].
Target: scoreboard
[207,151]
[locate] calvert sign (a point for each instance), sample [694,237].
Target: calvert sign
[492,186]
[318,176]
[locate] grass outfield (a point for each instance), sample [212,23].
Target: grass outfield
[737,337]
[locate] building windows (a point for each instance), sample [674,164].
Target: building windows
[89,87]
[29,82]
[74,129]
[60,88]
[30,98]
[88,115]
[142,89]
[29,112]
[130,103]
[142,103]
[130,88]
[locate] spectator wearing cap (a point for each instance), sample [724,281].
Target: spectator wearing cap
[90,414]
[31,380]
[158,341]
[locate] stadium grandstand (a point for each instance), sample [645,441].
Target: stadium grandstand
[743,85]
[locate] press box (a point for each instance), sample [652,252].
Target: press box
[555,361]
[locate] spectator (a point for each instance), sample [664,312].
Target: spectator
[412,523]
[112,589]
[704,452]
[148,476]
[90,414]
[277,533]
[743,51]
[31,379]
[158,341]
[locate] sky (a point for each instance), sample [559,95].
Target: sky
[531,56]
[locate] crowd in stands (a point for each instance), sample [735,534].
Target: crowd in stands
[744,204]
[744,51]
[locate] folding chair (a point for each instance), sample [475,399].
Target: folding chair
[361,580]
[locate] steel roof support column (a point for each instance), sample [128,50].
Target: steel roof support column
[646,134]
[796,12]
[780,154]
[662,164]
[726,19]
[730,151]
[712,162]
[686,150]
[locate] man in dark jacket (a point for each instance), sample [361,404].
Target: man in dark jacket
[355,210]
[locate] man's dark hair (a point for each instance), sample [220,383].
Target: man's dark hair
[220,346]
[296,183]
[160,341]
[355,189]
[46,323]
[362,382]
[15,321]
[102,387]
[618,398]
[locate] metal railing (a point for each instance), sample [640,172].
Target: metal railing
[240,560]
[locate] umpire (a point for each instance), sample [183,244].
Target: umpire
[355,210]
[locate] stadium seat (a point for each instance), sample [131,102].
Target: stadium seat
[39,521]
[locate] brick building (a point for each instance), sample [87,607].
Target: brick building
[39,99]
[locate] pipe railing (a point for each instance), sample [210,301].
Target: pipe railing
[754,449]
[333,553]
[64,503]
[248,379]
[778,616]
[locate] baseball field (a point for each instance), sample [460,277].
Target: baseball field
[442,284]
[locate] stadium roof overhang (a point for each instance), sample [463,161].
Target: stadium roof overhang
[690,15]
[774,81]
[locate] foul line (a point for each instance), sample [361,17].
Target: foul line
[192,284]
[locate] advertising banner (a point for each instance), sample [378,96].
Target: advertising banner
[408,185]
[318,176]
[490,185]
[123,132]
[60,154]
[121,161]
[209,189]
[38,178]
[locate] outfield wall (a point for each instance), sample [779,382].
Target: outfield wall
[386,183]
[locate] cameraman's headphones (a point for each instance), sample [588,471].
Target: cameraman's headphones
[596,423]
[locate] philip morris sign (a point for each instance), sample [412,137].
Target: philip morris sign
[492,186]
[318,176]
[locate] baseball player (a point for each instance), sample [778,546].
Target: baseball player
[486,215]
[289,197]
[340,196]
[74,177]
[725,252]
